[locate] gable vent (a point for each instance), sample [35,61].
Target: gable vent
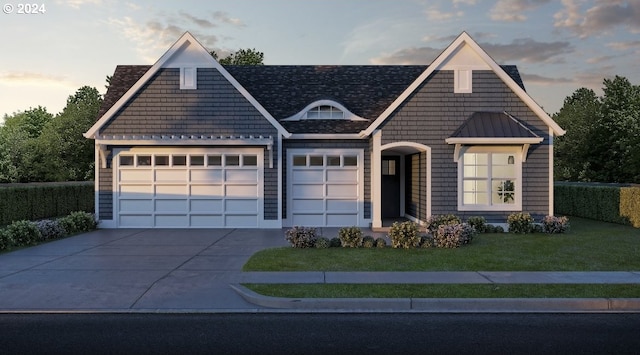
[188,78]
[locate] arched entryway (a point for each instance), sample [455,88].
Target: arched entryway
[402,183]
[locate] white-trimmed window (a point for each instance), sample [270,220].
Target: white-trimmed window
[324,112]
[490,179]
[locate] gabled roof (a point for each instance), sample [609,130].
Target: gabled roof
[466,43]
[186,48]
[492,127]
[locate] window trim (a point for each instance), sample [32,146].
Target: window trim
[517,153]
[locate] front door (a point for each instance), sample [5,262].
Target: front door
[390,187]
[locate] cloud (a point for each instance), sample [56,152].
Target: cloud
[225,18]
[529,50]
[465,2]
[623,46]
[513,10]
[600,59]
[197,21]
[408,56]
[543,80]
[34,78]
[434,14]
[601,18]
[76,4]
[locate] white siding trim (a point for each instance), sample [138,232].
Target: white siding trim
[376,183]
[551,185]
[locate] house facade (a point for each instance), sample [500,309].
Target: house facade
[188,142]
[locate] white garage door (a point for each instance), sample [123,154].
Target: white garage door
[181,187]
[325,187]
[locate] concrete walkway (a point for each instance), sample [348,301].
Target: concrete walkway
[138,270]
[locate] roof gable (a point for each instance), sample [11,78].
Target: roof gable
[186,51]
[464,52]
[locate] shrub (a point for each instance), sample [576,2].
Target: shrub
[479,223]
[78,222]
[552,224]
[322,243]
[381,243]
[50,229]
[434,222]
[520,223]
[498,229]
[301,237]
[5,240]
[453,235]
[350,237]
[404,235]
[426,241]
[335,242]
[368,242]
[23,233]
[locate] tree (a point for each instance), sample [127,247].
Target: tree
[241,57]
[603,134]
[65,154]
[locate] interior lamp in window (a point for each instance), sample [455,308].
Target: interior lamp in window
[511,160]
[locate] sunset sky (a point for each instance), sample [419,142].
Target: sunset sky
[559,46]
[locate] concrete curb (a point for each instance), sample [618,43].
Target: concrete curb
[444,305]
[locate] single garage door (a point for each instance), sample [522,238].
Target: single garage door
[179,187]
[325,187]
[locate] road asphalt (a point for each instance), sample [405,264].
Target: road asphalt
[200,271]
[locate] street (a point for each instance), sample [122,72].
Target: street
[316,333]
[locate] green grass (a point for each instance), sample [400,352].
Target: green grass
[589,246]
[447,291]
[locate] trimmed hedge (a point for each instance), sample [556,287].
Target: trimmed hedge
[39,201]
[608,203]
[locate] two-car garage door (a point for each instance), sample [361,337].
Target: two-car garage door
[193,187]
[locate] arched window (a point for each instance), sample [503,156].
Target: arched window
[325,112]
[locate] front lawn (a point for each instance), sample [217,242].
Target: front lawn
[588,246]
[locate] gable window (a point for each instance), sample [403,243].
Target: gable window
[325,112]
[490,179]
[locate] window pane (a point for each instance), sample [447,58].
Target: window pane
[502,159]
[475,186]
[144,160]
[313,114]
[196,160]
[161,160]
[388,167]
[179,160]
[214,160]
[249,160]
[299,160]
[474,198]
[476,171]
[504,171]
[316,160]
[476,159]
[232,160]
[350,160]
[333,161]
[503,192]
[126,160]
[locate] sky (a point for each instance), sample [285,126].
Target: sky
[51,50]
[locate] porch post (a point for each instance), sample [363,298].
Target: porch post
[376,189]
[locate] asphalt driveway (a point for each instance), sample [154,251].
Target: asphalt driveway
[133,269]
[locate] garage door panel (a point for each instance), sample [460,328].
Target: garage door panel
[206,175]
[342,190]
[136,221]
[300,219]
[342,175]
[172,205]
[310,175]
[171,191]
[166,175]
[308,190]
[206,221]
[209,206]
[127,205]
[308,205]
[241,221]
[173,221]
[243,206]
[342,205]
[205,191]
[242,176]
[138,175]
[342,219]
[241,191]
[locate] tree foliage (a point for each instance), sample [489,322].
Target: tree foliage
[249,56]
[602,142]
[37,146]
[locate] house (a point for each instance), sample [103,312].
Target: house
[188,142]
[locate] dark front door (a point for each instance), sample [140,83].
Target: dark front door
[390,187]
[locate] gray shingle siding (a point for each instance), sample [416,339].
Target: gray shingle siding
[433,112]
[214,108]
[330,144]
